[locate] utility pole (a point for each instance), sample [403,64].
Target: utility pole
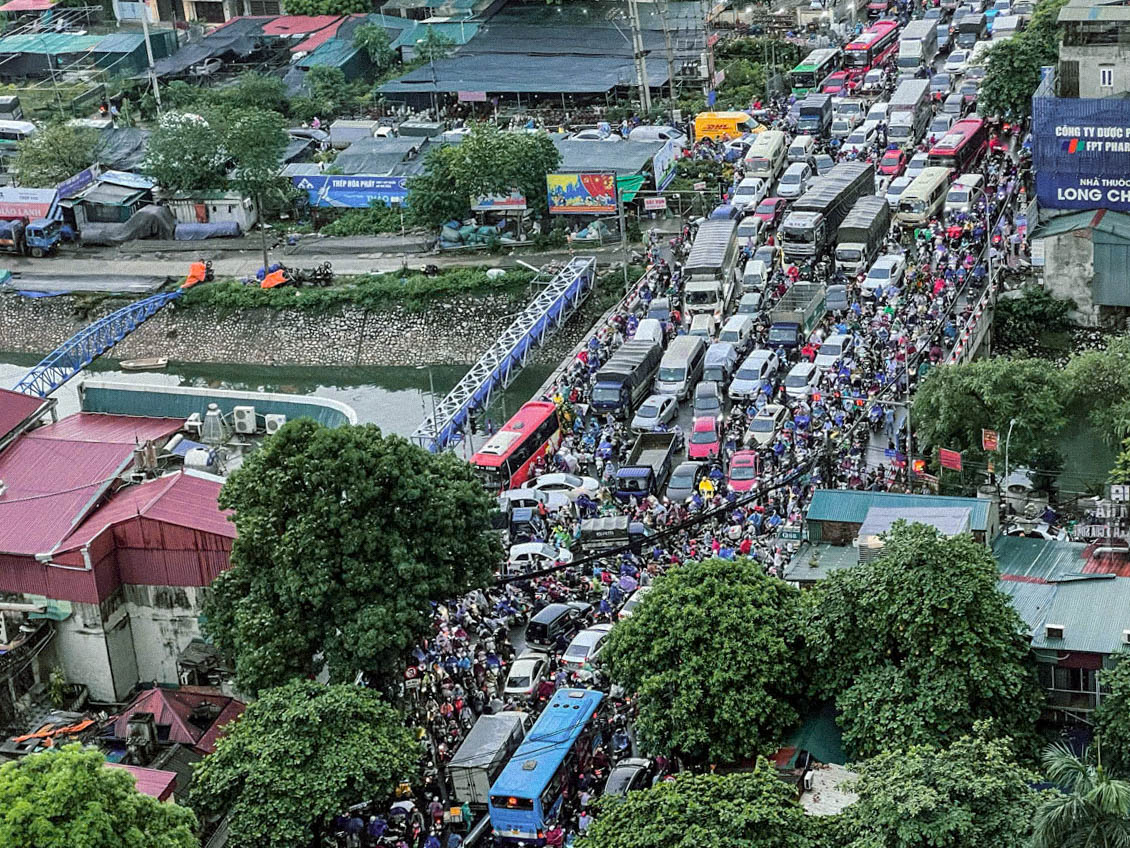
[623,228]
[149,55]
[670,61]
[640,55]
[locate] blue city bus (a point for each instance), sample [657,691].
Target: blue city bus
[527,794]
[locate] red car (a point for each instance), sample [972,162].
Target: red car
[841,82]
[743,471]
[893,163]
[705,441]
[771,210]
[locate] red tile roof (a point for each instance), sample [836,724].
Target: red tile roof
[27,5]
[15,408]
[173,707]
[156,783]
[320,28]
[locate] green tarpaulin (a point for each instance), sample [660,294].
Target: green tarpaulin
[629,185]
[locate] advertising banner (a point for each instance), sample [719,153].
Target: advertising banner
[581,194]
[73,185]
[1081,152]
[30,203]
[949,459]
[663,165]
[355,192]
[988,440]
[513,202]
[654,204]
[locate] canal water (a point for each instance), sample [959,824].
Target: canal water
[396,399]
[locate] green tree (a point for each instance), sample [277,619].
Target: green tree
[375,42]
[1012,67]
[68,797]
[254,142]
[345,537]
[1021,322]
[1121,471]
[749,809]
[300,755]
[434,46]
[970,795]
[1092,811]
[54,153]
[713,655]
[1112,718]
[918,644]
[487,161]
[1098,383]
[954,403]
[185,153]
[328,7]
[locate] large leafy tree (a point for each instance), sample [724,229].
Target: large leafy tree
[1091,811]
[749,809]
[254,141]
[54,153]
[185,153]
[969,795]
[713,654]
[487,161]
[1012,68]
[918,644]
[1098,382]
[68,797]
[1112,718]
[345,538]
[300,755]
[955,402]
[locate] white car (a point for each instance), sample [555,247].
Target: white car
[572,485]
[755,368]
[896,188]
[873,81]
[886,272]
[633,602]
[656,410]
[749,227]
[749,192]
[534,556]
[956,62]
[586,645]
[833,349]
[842,125]
[862,139]
[878,113]
[801,380]
[765,424]
[526,674]
[594,134]
[940,125]
[917,164]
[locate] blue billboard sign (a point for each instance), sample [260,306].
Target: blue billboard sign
[352,192]
[1081,152]
[663,165]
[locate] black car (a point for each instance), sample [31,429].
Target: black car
[630,774]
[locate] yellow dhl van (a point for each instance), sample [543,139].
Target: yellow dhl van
[722,126]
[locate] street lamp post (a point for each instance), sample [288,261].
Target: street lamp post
[1007,439]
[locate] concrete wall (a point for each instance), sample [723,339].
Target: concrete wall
[1091,59]
[95,647]
[164,620]
[1068,272]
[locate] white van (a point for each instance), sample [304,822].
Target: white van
[649,330]
[658,133]
[738,331]
[755,275]
[964,193]
[795,181]
[924,197]
[766,157]
[681,366]
[803,149]
[16,130]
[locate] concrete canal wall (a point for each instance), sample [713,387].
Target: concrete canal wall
[452,331]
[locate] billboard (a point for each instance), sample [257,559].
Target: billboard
[581,194]
[30,203]
[515,201]
[1081,152]
[663,165]
[353,192]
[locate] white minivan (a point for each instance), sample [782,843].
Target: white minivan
[803,149]
[755,275]
[795,180]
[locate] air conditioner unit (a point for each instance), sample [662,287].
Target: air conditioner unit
[194,423]
[1126,637]
[275,422]
[244,418]
[808,781]
[1054,631]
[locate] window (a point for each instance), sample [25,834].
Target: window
[1106,76]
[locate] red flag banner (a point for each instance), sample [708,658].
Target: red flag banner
[949,459]
[989,440]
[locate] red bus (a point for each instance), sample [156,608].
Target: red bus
[872,47]
[961,146]
[504,462]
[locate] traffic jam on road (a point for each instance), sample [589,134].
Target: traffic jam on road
[770,349]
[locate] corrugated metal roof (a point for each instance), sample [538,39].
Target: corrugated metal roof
[155,783]
[1116,224]
[1030,599]
[1038,558]
[828,559]
[115,429]
[49,43]
[174,708]
[15,408]
[120,42]
[851,506]
[623,157]
[1093,614]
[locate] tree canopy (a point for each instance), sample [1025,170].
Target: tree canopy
[486,161]
[713,654]
[345,538]
[919,644]
[300,755]
[955,402]
[185,153]
[1091,811]
[969,795]
[56,152]
[1112,718]
[1098,382]
[1012,67]
[748,809]
[69,797]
